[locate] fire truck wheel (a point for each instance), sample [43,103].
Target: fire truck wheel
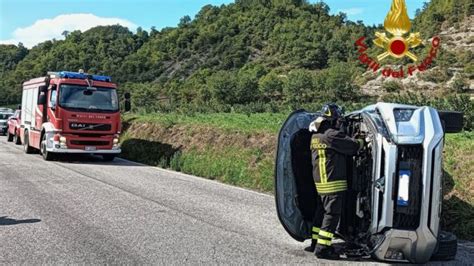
[26,146]
[108,157]
[48,156]
[9,137]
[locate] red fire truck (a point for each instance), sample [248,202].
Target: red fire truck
[71,112]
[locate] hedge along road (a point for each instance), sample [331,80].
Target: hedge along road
[88,211]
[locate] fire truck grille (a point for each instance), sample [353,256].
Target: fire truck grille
[90,127]
[89,143]
[407,216]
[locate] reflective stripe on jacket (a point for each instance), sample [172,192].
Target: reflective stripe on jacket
[329,151]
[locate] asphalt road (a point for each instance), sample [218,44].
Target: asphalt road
[89,212]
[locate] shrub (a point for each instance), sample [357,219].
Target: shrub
[460,84]
[392,86]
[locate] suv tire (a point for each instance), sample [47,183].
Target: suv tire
[447,247]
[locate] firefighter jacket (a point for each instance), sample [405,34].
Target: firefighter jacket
[329,151]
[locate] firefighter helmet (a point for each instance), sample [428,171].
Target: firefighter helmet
[330,113]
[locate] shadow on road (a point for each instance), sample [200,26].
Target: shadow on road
[92,159]
[4,220]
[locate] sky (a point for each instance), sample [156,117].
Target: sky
[34,21]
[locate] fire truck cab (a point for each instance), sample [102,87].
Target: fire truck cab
[71,112]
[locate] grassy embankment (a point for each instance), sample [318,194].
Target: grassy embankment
[239,149]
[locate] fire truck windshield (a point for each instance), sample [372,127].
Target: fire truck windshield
[86,99]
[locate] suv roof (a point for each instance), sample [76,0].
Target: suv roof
[6,110]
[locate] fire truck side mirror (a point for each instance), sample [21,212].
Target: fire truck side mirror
[42,95]
[128,104]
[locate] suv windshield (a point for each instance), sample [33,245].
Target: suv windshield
[94,99]
[5,116]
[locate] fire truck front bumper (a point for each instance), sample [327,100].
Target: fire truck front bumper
[79,151]
[74,144]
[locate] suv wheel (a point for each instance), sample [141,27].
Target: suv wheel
[447,247]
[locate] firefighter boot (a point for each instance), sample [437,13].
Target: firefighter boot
[312,247]
[327,253]
[314,239]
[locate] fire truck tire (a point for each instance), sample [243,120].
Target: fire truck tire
[108,157]
[9,137]
[47,156]
[26,146]
[447,247]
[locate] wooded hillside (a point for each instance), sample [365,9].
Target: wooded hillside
[266,54]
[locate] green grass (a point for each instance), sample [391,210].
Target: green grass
[235,166]
[458,205]
[459,163]
[252,123]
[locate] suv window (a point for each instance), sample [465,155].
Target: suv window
[5,116]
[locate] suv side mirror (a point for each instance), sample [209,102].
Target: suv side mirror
[128,104]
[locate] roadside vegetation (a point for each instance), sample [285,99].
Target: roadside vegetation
[458,205]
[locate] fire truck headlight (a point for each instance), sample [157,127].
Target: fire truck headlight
[62,140]
[116,141]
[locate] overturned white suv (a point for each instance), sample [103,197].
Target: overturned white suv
[393,205]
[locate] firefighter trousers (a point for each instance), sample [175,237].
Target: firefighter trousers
[326,218]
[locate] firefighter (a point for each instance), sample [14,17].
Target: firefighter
[329,148]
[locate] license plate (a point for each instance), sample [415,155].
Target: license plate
[403,187]
[90,148]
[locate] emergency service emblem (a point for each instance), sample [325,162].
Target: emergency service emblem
[398,24]
[397,42]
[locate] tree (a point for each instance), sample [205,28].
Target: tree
[271,87]
[223,86]
[299,87]
[339,82]
[184,21]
